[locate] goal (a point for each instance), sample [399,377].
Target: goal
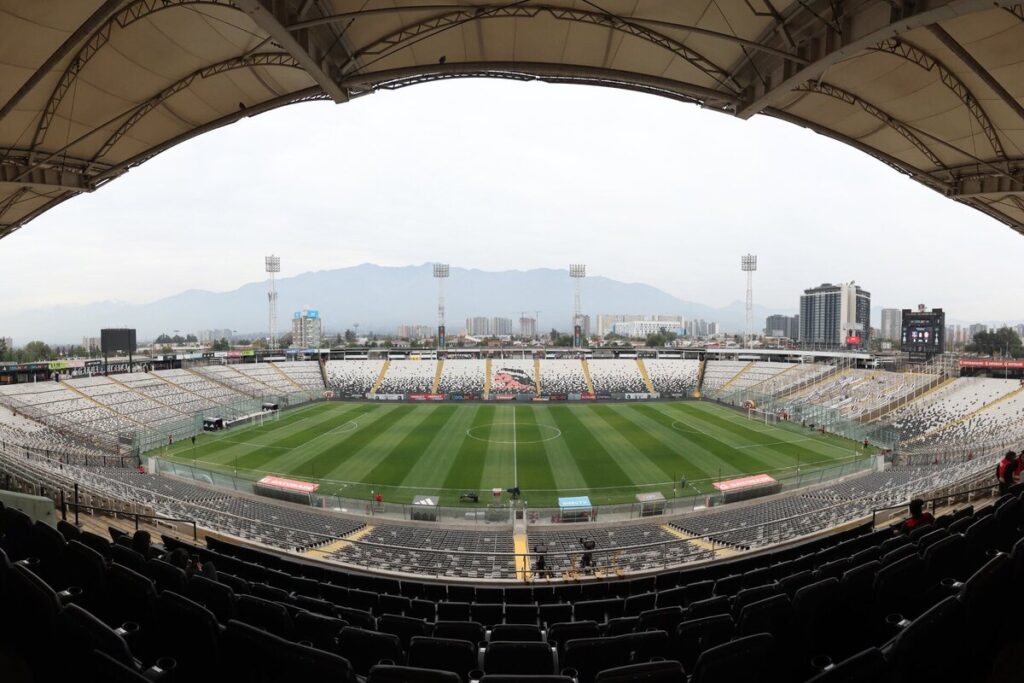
[769,418]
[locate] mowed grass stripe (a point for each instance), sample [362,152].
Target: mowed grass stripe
[597,466]
[278,443]
[837,447]
[356,464]
[498,463]
[468,466]
[534,465]
[414,447]
[778,454]
[273,456]
[565,470]
[696,460]
[636,451]
[432,468]
[210,444]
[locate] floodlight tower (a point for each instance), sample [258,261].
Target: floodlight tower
[577,271]
[273,266]
[748,264]
[441,273]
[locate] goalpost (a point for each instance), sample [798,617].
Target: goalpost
[768,417]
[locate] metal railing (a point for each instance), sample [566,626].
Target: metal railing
[933,500]
[136,516]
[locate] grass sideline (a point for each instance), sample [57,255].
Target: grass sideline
[610,452]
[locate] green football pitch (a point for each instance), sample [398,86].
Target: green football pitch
[609,452]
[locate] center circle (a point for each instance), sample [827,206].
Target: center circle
[683,427]
[553,432]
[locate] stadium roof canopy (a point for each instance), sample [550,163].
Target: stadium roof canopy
[91,88]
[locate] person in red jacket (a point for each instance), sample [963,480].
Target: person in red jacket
[918,517]
[1008,471]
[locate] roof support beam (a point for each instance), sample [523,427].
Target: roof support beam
[87,27]
[894,123]
[916,55]
[410,9]
[863,24]
[981,72]
[273,16]
[553,73]
[44,178]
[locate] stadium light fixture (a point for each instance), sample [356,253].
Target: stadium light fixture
[441,273]
[577,271]
[748,264]
[272,265]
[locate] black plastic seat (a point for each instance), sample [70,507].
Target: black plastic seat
[320,630]
[188,632]
[364,649]
[453,611]
[519,659]
[947,558]
[270,616]
[127,557]
[167,576]
[697,635]
[443,654]
[931,646]
[819,615]
[487,614]
[561,633]
[635,604]
[517,633]
[472,631]
[590,656]
[867,666]
[80,633]
[521,614]
[662,619]
[719,604]
[406,628]
[130,597]
[667,671]
[900,587]
[393,673]
[215,596]
[749,659]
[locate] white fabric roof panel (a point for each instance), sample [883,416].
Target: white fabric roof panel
[90,88]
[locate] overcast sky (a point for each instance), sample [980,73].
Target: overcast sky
[499,175]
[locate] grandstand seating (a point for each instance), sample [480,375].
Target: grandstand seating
[559,376]
[352,377]
[464,377]
[408,377]
[941,416]
[616,376]
[306,374]
[718,373]
[761,618]
[854,392]
[673,377]
[514,377]
[271,380]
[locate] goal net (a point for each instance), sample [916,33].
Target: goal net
[769,418]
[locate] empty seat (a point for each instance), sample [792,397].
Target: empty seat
[472,631]
[365,649]
[406,628]
[867,666]
[668,671]
[559,634]
[590,656]
[393,673]
[320,630]
[270,616]
[215,596]
[749,659]
[443,654]
[697,635]
[662,619]
[518,658]
[520,633]
[189,633]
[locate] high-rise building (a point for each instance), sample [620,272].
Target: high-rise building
[528,327]
[974,330]
[415,331]
[714,329]
[307,329]
[585,325]
[892,322]
[209,336]
[642,328]
[478,326]
[606,321]
[90,344]
[835,316]
[501,327]
[9,343]
[782,326]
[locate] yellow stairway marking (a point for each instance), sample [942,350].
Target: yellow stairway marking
[586,375]
[968,416]
[338,544]
[287,377]
[738,375]
[90,399]
[702,543]
[643,373]
[536,374]
[700,379]
[380,377]
[522,547]
[437,376]
[487,379]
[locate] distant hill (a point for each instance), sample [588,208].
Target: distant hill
[379,298]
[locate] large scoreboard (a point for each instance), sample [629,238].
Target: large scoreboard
[924,332]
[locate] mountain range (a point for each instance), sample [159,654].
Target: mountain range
[379,299]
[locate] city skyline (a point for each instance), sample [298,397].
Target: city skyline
[628,213]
